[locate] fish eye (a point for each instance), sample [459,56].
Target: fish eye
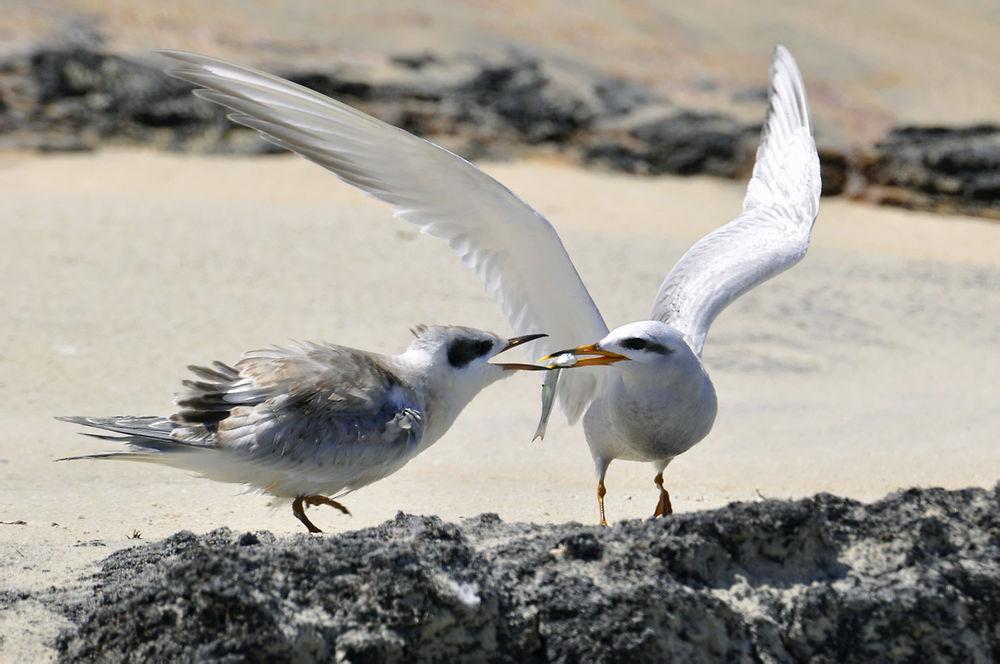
[635,343]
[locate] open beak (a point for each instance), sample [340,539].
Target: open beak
[600,357]
[517,341]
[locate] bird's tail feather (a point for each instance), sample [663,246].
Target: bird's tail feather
[127,456]
[148,439]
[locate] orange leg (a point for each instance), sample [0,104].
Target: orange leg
[663,507]
[601,492]
[300,514]
[312,501]
[301,502]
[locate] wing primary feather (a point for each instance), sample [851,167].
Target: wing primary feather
[772,232]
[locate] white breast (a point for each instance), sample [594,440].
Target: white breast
[649,416]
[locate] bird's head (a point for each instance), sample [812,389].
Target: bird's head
[461,355]
[636,345]
[453,364]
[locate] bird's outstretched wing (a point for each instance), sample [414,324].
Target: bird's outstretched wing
[772,232]
[513,249]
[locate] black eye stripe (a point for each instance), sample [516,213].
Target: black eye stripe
[463,351]
[636,343]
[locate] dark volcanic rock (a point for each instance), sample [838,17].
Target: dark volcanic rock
[679,142]
[835,170]
[913,577]
[78,97]
[939,168]
[524,97]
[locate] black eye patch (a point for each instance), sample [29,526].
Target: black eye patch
[635,343]
[463,351]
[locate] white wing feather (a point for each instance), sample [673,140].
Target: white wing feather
[513,249]
[772,232]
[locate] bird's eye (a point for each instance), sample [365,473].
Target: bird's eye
[634,343]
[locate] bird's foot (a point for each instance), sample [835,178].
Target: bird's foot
[313,501]
[601,492]
[300,514]
[663,506]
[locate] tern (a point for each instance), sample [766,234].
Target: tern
[652,398]
[312,420]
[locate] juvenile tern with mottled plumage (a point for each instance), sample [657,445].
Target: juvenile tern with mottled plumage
[311,422]
[656,400]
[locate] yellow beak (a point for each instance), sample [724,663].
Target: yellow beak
[513,343]
[601,357]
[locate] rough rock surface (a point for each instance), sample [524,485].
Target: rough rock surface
[914,577]
[951,169]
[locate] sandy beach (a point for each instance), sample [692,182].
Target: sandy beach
[869,367]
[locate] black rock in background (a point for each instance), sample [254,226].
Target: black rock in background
[523,97]
[914,577]
[79,98]
[678,142]
[836,170]
[951,169]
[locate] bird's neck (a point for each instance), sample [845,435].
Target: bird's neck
[649,382]
[651,405]
[446,392]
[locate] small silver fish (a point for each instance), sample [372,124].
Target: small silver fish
[548,399]
[564,361]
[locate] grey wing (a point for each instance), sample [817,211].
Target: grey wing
[323,413]
[772,232]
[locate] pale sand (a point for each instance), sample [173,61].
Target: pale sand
[871,366]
